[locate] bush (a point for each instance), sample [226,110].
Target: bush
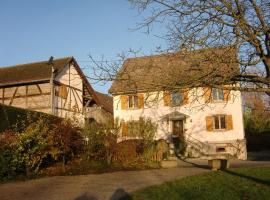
[136,153]
[32,146]
[143,129]
[100,140]
[8,161]
[64,141]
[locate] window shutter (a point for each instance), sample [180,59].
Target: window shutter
[124,102]
[229,122]
[185,96]
[209,123]
[207,94]
[140,100]
[124,127]
[63,93]
[167,98]
[227,95]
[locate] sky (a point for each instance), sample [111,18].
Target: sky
[34,30]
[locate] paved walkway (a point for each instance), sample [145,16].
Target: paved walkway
[103,186]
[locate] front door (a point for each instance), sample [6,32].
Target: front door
[178,128]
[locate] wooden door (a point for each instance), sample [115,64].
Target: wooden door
[178,128]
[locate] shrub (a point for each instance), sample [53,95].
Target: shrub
[32,145]
[64,141]
[143,129]
[135,153]
[8,161]
[100,139]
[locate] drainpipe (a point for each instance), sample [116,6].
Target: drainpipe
[50,62]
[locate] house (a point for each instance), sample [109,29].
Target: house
[210,119]
[56,87]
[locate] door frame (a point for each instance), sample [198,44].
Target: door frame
[183,126]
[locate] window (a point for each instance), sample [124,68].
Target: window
[220,122]
[133,101]
[217,94]
[177,99]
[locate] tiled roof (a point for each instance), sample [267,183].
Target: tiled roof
[37,71]
[159,72]
[106,101]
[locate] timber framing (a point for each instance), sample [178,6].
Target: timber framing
[58,87]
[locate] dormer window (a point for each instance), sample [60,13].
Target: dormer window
[177,99]
[217,94]
[132,101]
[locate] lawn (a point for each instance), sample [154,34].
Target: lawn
[244,184]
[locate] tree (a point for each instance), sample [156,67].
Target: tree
[195,24]
[202,24]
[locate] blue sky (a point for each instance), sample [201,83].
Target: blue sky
[34,30]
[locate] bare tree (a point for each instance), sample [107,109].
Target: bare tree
[195,24]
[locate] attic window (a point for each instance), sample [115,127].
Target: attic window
[177,98]
[217,94]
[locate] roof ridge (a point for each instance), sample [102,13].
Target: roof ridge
[32,63]
[180,52]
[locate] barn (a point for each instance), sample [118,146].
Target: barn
[57,87]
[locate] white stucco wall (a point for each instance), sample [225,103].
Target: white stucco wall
[196,109]
[69,76]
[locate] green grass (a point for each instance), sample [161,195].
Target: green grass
[244,184]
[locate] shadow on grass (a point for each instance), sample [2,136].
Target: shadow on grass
[257,180]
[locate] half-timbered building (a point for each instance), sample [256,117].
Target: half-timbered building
[57,87]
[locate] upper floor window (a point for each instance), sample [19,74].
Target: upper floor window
[177,98]
[217,94]
[220,122]
[132,101]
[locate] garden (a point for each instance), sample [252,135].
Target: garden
[34,144]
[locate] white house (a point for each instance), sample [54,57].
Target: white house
[56,87]
[210,119]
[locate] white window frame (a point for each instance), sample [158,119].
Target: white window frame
[172,99]
[219,122]
[134,103]
[217,94]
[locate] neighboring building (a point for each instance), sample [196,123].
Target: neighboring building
[210,119]
[57,87]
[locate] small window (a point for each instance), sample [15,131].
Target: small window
[217,94]
[133,101]
[220,122]
[220,149]
[177,99]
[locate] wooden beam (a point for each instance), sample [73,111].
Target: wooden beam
[3,95]
[78,96]
[69,86]
[11,101]
[39,89]
[69,110]
[40,107]
[75,98]
[26,96]
[66,99]
[23,96]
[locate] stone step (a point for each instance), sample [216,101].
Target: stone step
[169,163]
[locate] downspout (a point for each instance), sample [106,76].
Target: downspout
[50,62]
